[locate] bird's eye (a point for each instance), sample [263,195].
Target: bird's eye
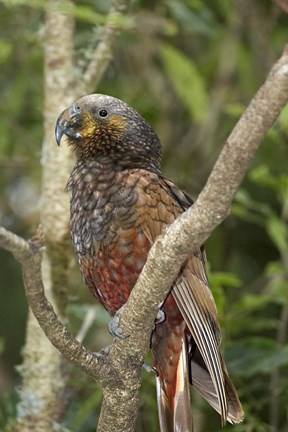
[77,108]
[103,113]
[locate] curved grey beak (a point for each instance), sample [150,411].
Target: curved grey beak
[67,124]
[60,128]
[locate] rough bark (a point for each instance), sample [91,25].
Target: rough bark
[42,380]
[119,371]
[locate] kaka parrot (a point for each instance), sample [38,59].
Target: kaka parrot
[120,203]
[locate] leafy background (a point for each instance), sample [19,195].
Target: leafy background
[190,67]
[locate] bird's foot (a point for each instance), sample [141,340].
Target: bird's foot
[114,327]
[149,368]
[103,352]
[160,317]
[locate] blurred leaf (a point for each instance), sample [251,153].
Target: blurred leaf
[84,12]
[275,268]
[85,409]
[217,281]
[243,197]
[279,289]
[187,80]
[256,355]
[234,110]
[225,279]
[244,207]
[283,118]
[5,51]
[278,232]
[262,176]
[252,302]
[198,21]
[8,411]
[244,214]
[284,194]
[2,345]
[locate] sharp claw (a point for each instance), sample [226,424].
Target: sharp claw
[113,326]
[149,368]
[160,317]
[103,352]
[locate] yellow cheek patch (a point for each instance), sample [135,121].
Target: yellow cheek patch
[113,126]
[90,127]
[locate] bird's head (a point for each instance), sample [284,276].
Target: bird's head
[103,127]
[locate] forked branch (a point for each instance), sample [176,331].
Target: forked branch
[121,390]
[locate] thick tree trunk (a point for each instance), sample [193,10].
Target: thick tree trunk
[41,394]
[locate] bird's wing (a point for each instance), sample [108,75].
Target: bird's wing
[159,205]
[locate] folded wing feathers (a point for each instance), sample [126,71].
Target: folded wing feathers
[195,304]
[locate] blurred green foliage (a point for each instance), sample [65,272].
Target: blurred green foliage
[190,67]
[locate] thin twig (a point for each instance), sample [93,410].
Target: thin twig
[29,254]
[105,49]
[13,243]
[86,325]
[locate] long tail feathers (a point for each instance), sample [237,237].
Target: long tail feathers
[207,369]
[197,306]
[175,411]
[201,380]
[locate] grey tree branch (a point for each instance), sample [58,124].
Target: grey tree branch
[119,372]
[189,232]
[29,254]
[105,49]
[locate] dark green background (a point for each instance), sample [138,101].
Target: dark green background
[190,67]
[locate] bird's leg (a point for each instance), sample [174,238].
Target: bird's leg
[116,331]
[149,368]
[159,319]
[103,352]
[113,326]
